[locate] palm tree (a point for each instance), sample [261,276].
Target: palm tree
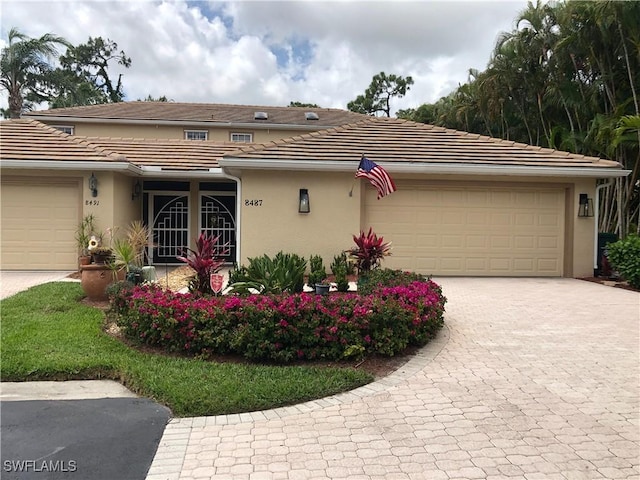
[24,65]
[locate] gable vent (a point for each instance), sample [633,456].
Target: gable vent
[311,116]
[260,116]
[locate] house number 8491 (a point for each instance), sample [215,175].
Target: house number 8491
[253,203]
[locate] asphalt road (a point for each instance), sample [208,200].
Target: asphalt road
[103,439]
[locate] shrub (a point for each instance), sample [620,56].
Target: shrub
[283,327]
[342,261]
[207,258]
[282,273]
[386,277]
[369,251]
[318,272]
[342,284]
[624,256]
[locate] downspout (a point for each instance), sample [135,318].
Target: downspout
[238,210]
[597,221]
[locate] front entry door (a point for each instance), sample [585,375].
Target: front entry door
[217,217]
[170,226]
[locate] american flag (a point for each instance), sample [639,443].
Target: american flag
[377,176]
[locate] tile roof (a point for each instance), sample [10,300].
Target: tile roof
[25,139]
[202,112]
[167,154]
[383,140]
[394,140]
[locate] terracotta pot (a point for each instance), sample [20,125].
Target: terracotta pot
[96,278]
[84,259]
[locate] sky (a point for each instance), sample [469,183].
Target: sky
[274,52]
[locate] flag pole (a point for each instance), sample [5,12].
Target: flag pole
[354,180]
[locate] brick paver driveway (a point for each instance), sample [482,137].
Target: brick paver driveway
[531,378]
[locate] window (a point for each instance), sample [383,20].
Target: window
[196,135]
[64,128]
[242,137]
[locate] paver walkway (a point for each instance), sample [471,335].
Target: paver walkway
[531,378]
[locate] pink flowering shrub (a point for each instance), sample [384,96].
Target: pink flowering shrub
[283,327]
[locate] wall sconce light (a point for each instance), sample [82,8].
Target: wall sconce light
[303,205]
[137,190]
[93,185]
[585,206]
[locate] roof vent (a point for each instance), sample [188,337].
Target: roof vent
[260,116]
[311,116]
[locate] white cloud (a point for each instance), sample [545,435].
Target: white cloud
[272,53]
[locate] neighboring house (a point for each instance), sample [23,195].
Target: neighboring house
[465,204]
[193,121]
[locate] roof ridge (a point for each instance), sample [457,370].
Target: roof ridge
[200,104]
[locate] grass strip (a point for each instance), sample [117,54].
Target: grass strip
[48,334]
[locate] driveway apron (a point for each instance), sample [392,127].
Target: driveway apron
[531,378]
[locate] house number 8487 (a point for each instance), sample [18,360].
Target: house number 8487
[253,203]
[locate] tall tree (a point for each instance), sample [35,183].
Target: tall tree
[83,77]
[377,97]
[24,65]
[566,77]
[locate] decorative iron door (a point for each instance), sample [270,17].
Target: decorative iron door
[217,217]
[170,226]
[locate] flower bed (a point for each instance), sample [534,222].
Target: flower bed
[283,327]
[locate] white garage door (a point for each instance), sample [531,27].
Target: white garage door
[39,220]
[471,230]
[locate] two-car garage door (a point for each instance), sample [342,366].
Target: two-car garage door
[471,229]
[39,220]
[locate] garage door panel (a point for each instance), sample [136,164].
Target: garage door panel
[453,217]
[476,265]
[39,219]
[476,242]
[477,218]
[430,240]
[472,230]
[428,217]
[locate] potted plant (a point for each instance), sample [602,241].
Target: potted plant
[102,255]
[84,233]
[127,258]
[322,287]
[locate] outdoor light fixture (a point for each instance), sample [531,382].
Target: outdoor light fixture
[93,185]
[137,190]
[303,206]
[585,206]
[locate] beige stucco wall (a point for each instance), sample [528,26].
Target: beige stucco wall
[274,224]
[112,207]
[583,230]
[218,134]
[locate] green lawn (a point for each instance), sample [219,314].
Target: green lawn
[48,334]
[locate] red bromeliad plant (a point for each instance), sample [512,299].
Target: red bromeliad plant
[207,258]
[369,250]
